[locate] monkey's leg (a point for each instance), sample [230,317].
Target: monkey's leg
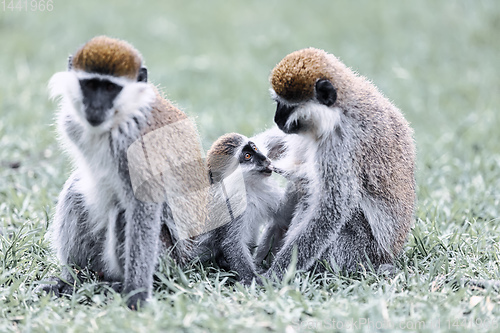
[237,256]
[181,250]
[71,238]
[142,232]
[230,251]
[310,238]
[355,248]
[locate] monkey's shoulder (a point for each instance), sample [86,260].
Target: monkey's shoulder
[163,113]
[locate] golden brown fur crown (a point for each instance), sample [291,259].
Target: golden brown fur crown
[295,76]
[105,55]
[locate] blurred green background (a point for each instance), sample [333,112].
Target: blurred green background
[438,61]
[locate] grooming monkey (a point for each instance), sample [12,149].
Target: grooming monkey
[127,143]
[353,156]
[243,197]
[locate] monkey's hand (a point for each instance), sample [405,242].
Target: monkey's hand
[115,286]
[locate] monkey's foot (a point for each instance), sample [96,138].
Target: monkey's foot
[136,301]
[247,280]
[116,286]
[110,286]
[272,276]
[57,287]
[387,270]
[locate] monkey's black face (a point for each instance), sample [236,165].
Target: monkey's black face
[98,99]
[283,112]
[252,157]
[325,94]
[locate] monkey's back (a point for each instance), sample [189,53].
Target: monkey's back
[173,149]
[386,162]
[384,149]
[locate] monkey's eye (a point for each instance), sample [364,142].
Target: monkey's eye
[255,148]
[248,156]
[92,84]
[110,87]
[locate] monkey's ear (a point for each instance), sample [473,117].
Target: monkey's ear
[70,62]
[325,92]
[143,75]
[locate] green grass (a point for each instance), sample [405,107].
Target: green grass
[438,61]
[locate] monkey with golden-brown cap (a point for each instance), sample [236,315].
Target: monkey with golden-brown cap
[125,201]
[353,157]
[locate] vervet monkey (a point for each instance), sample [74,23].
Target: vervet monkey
[116,211]
[243,198]
[353,155]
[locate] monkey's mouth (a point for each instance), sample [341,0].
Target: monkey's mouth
[267,171]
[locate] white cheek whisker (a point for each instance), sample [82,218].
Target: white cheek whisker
[320,119]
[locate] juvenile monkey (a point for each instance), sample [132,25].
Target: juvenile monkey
[353,155]
[243,197]
[275,144]
[125,141]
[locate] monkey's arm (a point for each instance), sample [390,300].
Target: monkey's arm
[272,239]
[272,141]
[235,252]
[141,248]
[269,245]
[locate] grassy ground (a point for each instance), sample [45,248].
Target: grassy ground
[438,61]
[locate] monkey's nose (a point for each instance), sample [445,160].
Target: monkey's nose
[95,121]
[267,164]
[95,115]
[268,168]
